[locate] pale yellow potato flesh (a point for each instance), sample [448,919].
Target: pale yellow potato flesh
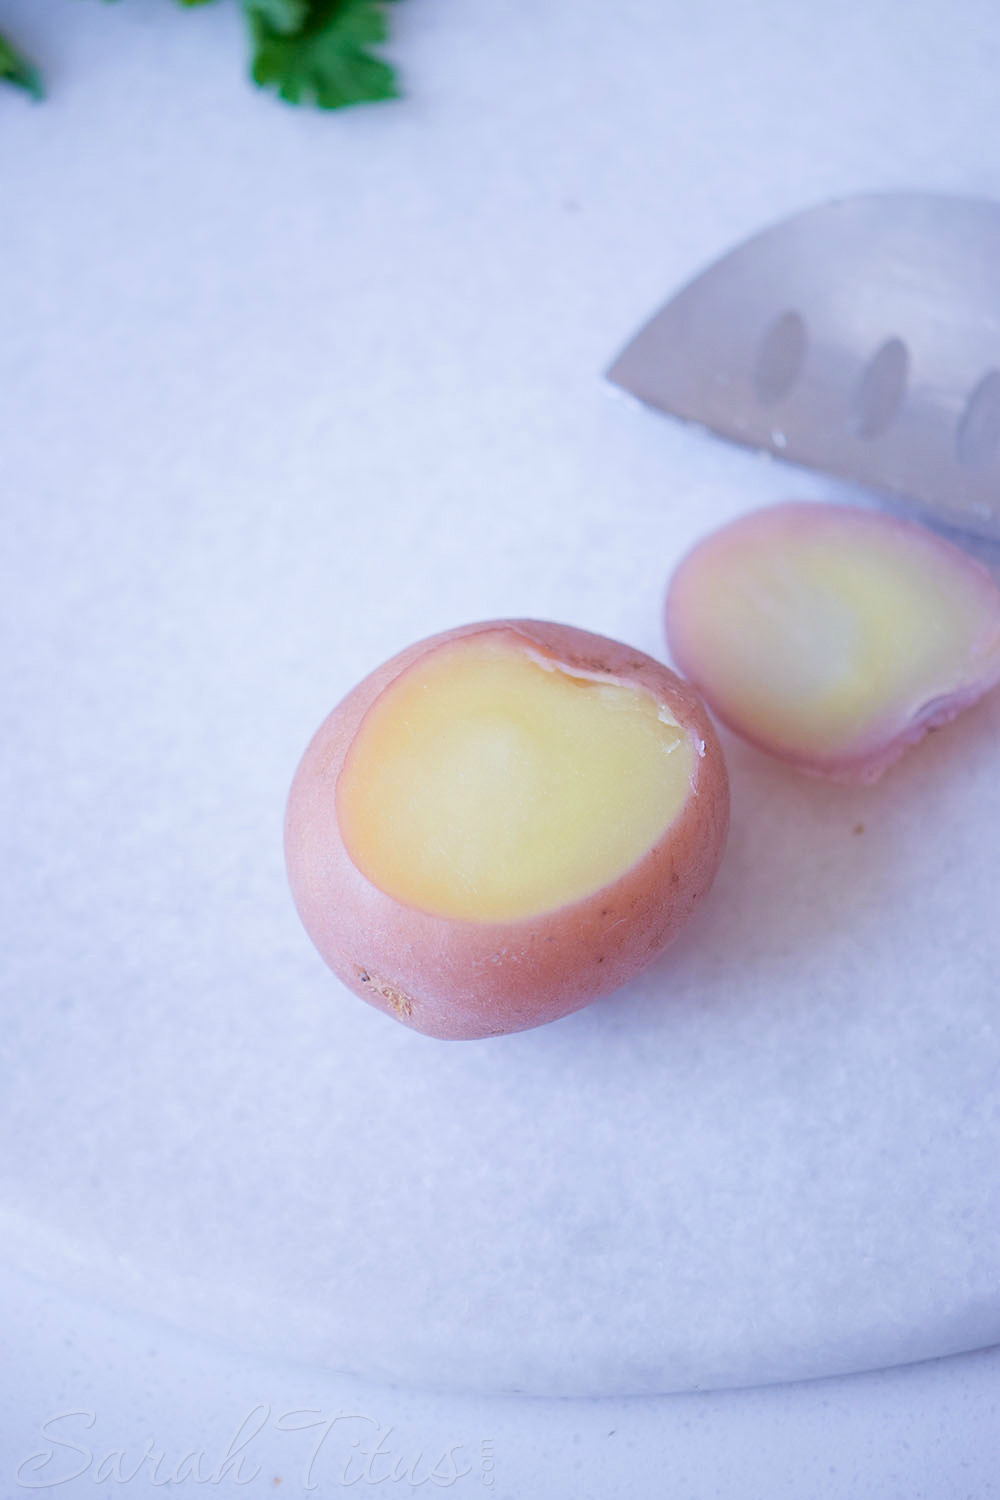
[488,784]
[815,643]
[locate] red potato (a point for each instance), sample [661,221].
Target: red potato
[504,822]
[833,637]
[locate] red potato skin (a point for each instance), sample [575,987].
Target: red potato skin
[459,979]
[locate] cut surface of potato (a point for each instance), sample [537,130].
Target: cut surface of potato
[491,784]
[833,637]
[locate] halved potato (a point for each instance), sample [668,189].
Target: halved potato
[833,637]
[504,822]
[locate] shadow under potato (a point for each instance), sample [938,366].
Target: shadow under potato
[826,890]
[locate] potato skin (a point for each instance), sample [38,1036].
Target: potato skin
[458,979]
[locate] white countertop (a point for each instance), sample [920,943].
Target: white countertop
[84,1384]
[282,393]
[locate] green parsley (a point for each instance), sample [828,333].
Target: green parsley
[310,51]
[321,52]
[16,69]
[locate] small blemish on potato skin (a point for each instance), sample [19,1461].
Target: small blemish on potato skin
[859,828]
[401,1004]
[398,999]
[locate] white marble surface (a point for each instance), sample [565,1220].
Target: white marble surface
[284,392]
[74,1373]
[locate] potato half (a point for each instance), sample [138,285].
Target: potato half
[833,637]
[504,822]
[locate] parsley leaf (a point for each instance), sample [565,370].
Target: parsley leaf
[17,69]
[286,16]
[311,51]
[318,50]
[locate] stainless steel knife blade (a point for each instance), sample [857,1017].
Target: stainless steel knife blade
[861,338]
